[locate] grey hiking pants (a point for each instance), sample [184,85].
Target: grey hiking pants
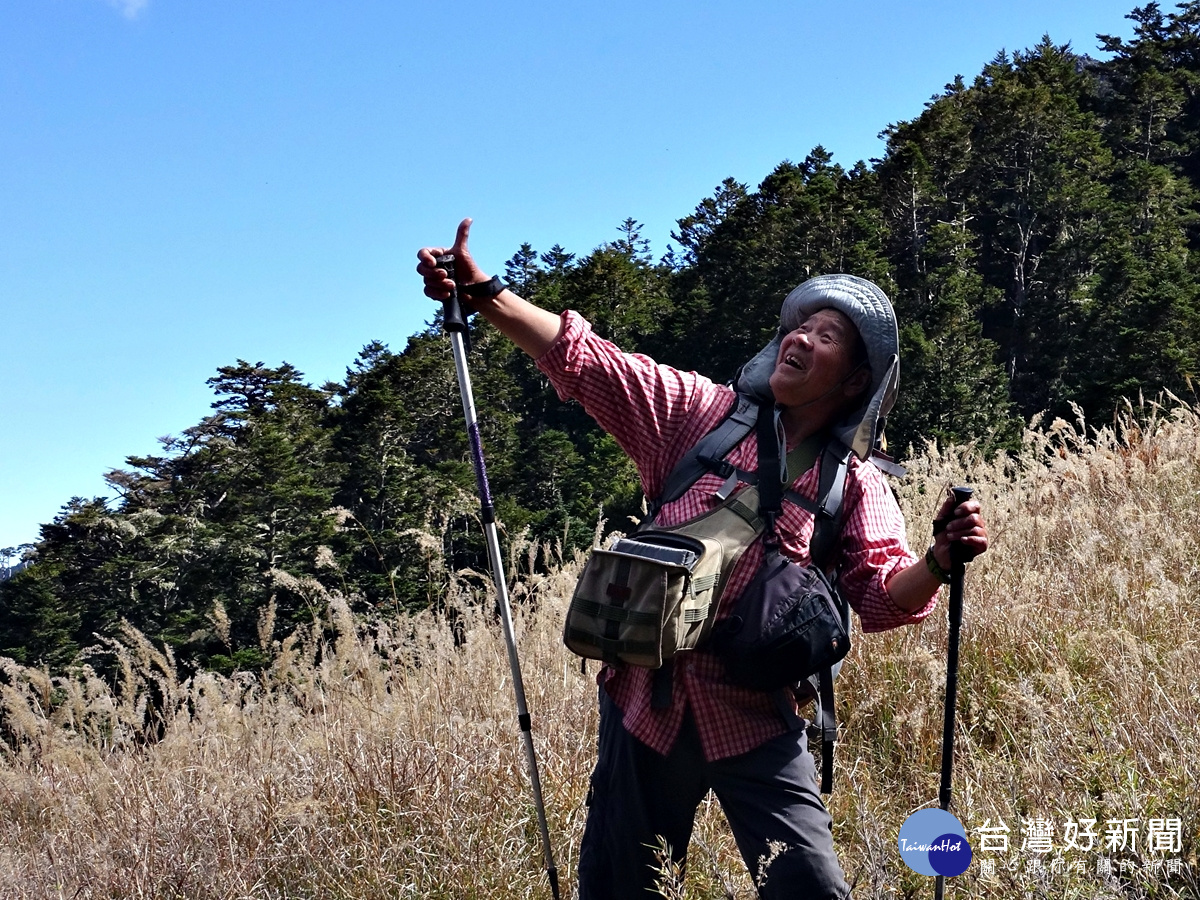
[768,795]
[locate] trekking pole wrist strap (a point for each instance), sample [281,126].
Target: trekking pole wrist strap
[935,568]
[483,290]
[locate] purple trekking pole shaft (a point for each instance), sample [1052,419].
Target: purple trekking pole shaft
[455,325]
[959,557]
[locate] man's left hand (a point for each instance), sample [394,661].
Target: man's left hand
[965,525]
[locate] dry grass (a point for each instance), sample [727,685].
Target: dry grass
[382,760]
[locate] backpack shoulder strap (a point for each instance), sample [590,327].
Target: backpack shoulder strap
[835,464]
[708,454]
[827,526]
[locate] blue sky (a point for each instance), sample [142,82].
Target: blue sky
[183,184]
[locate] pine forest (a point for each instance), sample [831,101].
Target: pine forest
[1033,229]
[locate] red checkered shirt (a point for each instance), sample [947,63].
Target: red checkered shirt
[657,414]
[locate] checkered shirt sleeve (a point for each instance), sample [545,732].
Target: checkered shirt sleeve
[657,414]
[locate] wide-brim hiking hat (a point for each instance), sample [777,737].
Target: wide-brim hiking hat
[871,312]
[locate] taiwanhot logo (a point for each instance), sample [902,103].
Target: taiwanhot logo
[933,842]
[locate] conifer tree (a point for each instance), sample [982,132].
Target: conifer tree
[952,388]
[1037,188]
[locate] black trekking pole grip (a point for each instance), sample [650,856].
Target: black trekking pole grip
[452,314]
[957,552]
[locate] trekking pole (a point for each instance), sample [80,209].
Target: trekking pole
[455,325]
[959,557]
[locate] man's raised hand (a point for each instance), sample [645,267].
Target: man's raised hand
[437,283]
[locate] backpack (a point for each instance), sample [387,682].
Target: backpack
[653,594]
[708,455]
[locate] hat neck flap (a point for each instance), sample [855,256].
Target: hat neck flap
[871,312]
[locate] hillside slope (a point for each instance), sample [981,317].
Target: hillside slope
[383,760]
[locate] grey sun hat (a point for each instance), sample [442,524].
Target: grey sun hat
[871,312]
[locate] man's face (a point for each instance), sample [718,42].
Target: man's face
[814,358]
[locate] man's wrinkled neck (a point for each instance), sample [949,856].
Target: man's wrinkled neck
[799,424]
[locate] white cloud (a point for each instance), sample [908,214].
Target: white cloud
[130,9]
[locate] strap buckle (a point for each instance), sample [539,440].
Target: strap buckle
[770,535]
[722,493]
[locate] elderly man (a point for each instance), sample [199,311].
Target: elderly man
[832,371]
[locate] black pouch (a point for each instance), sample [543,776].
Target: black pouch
[789,623]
